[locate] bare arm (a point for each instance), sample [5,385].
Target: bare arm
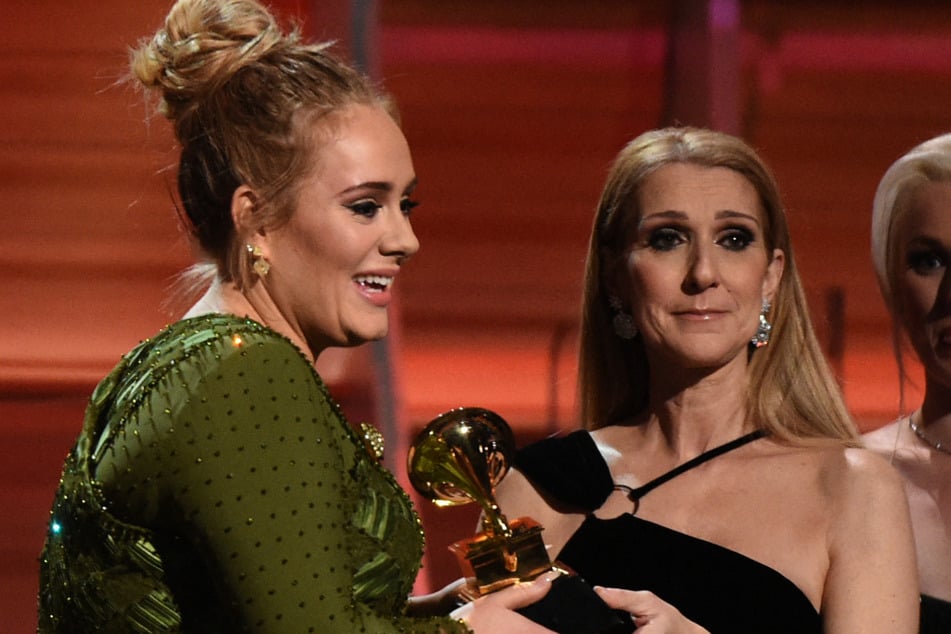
[872,583]
[517,497]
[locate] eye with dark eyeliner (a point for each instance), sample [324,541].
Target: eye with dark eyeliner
[407,206]
[736,239]
[365,208]
[925,261]
[665,238]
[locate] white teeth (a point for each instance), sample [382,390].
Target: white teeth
[377,281]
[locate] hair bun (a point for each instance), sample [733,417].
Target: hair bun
[202,45]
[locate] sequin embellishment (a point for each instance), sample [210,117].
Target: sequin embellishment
[372,440]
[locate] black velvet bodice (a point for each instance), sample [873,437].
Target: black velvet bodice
[713,586]
[935,615]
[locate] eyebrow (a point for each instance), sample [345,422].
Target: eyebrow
[924,240]
[382,186]
[729,213]
[720,215]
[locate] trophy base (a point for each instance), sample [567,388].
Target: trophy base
[573,607]
[493,562]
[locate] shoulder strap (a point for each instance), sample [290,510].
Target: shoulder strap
[636,493]
[569,469]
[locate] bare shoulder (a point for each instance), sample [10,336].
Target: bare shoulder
[856,472]
[517,497]
[612,442]
[883,440]
[864,494]
[827,477]
[871,584]
[839,484]
[515,490]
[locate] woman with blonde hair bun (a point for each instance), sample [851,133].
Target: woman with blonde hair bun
[216,486]
[718,485]
[911,251]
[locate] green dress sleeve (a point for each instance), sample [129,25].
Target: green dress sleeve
[266,510]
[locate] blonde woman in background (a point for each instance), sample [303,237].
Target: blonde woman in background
[911,250]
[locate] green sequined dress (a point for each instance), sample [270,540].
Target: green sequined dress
[216,487]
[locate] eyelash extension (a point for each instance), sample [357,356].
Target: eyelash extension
[741,230]
[665,238]
[408,205]
[364,208]
[916,260]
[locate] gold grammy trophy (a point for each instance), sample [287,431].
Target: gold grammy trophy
[459,458]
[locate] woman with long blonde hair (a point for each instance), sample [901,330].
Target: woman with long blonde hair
[718,485]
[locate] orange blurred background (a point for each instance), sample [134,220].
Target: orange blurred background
[513,109]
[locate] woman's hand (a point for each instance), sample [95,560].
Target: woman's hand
[651,615]
[494,613]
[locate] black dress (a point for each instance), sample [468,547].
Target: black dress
[935,615]
[715,587]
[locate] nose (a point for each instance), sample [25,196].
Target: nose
[701,270]
[399,239]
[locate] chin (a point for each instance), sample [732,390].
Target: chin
[373,333]
[707,353]
[938,371]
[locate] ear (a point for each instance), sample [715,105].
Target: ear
[244,204]
[774,274]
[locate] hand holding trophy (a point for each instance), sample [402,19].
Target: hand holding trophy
[459,458]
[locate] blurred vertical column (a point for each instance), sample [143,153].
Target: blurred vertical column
[703,65]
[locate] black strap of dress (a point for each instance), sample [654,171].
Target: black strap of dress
[634,494]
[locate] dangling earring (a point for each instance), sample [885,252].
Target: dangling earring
[623,323]
[761,338]
[260,265]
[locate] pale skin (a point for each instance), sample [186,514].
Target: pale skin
[922,290]
[832,520]
[332,270]
[350,231]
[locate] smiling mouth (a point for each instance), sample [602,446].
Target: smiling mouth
[374,283]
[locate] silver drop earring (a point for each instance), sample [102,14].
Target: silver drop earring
[761,337]
[623,323]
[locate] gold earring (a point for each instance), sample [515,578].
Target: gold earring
[260,265]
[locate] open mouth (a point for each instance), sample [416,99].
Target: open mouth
[374,283]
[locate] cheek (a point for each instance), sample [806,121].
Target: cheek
[914,301]
[651,283]
[916,296]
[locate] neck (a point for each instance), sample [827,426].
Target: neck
[255,303]
[695,413]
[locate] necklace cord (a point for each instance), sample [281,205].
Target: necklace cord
[634,494]
[928,440]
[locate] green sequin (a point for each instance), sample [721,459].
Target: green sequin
[216,487]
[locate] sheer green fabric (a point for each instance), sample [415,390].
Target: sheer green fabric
[216,487]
